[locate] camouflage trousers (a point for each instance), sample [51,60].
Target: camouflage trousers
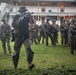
[64,39]
[42,35]
[55,37]
[6,40]
[73,44]
[33,37]
[47,38]
[17,46]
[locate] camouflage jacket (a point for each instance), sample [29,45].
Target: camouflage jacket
[5,30]
[72,32]
[55,28]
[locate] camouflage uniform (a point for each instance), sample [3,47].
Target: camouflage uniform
[33,33]
[72,32]
[48,32]
[41,33]
[55,29]
[5,36]
[64,33]
[21,26]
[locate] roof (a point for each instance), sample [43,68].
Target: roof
[52,0]
[11,1]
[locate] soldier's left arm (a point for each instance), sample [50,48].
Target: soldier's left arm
[31,20]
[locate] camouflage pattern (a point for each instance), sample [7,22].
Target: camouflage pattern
[64,33]
[62,29]
[33,33]
[48,32]
[5,37]
[72,32]
[41,33]
[21,26]
[55,29]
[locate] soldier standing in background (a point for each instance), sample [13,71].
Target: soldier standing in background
[69,23]
[66,27]
[72,32]
[55,29]
[48,31]
[5,36]
[33,33]
[64,32]
[62,29]
[41,33]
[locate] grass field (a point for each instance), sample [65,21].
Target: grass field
[51,60]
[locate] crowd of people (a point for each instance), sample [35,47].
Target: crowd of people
[26,31]
[67,31]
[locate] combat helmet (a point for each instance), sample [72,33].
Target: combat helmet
[22,9]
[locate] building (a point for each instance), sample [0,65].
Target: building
[54,9]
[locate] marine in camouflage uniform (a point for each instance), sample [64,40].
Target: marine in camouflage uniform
[55,29]
[41,33]
[64,32]
[33,33]
[66,27]
[69,23]
[5,36]
[72,32]
[21,26]
[48,29]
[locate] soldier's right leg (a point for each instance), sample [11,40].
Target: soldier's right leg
[4,45]
[35,40]
[66,40]
[54,39]
[17,46]
[39,38]
[29,53]
[72,48]
[46,39]
[43,39]
[8,45]
[51,38]
[75,46]
[61,39]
